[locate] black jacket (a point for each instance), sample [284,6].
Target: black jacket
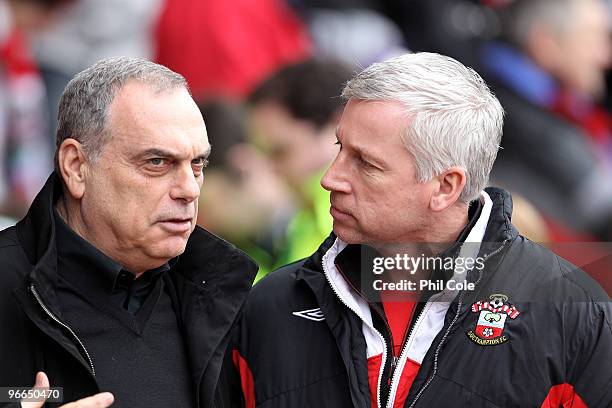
[317,358]
[211,280]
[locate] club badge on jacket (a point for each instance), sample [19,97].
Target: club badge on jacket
[494,312]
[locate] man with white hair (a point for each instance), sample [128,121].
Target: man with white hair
[425,294]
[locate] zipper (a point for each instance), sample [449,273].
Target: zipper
[435,365]
[384,343]
[439,347]
[394,359]
[65,326]
[394,383]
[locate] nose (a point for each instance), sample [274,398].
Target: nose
[335,178]
[186,185]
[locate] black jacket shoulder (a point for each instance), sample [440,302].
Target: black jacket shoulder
[15,263]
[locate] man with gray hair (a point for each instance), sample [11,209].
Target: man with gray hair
[425,294]
[108,287]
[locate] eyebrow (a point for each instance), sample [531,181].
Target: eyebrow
[369,157]
[165,154]
[364,153]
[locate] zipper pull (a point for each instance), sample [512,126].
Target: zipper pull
[394,362]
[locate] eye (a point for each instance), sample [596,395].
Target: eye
[157,161]
[200,162]
[365,163]
[157,165]
[198,165]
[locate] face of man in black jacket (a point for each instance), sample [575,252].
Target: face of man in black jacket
[376,196]
[137,202]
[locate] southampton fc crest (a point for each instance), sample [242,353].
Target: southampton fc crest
[492,317]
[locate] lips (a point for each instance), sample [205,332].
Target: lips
[337,213]
[177,225]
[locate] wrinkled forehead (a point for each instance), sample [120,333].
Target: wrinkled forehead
[143,104]
[141,116]
[373,122]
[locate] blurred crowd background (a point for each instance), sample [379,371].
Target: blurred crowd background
[267,75]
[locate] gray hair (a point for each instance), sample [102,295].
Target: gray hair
[455,120]
[85,104]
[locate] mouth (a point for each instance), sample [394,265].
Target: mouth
[176,225]
[338,214]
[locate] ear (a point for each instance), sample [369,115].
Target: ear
[73,167]
[447,189]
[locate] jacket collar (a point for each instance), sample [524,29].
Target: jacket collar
[499,227]
[36,233]
[37,230]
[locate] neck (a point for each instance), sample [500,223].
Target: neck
[441,233]
[446,228]
[438,234]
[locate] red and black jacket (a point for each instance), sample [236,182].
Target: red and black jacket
[302,343]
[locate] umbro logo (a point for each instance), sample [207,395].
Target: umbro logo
[311,314]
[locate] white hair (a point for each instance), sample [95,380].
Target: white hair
[453,119]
